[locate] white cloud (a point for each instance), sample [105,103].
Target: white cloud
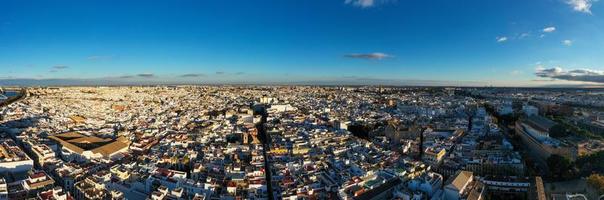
[192,75]
[361,3]
[567,42]
[501,39]
[60,67]
[549,29]
[367,3]
[585,75]
[583,6]
[146,75]
[372,56]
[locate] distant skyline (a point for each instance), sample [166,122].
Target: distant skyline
[354,42]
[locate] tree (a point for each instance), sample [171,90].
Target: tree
[558,131]
[597,181]
[559,166]
[591,163]
[508,119]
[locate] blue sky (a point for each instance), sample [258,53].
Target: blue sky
[470,42]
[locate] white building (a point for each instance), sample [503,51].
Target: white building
[505,109]
[429,183]
[281,108]
[530,110]
[457,187]
[13,159]
[3,189]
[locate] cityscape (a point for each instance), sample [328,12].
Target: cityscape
[302,142]
[302,100]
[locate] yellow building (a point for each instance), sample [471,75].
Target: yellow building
[300,150]
[279,151]
[434,156]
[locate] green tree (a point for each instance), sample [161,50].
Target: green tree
[591,163]
[559,167]
[597,181]
[558,131]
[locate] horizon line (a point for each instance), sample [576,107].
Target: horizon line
[100,82]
